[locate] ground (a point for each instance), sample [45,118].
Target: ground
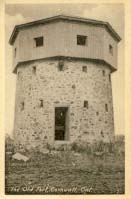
[66,172]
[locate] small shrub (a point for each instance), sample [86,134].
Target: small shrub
[9,144]
[20,148]
[81,147]
[99,146]
[60,148]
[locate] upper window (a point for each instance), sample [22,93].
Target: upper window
[39,41]
[15,51]
[81,40]
[111,49]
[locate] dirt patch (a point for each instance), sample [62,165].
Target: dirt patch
[66,172]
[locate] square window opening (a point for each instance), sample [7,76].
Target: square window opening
[39,41]
[81,40]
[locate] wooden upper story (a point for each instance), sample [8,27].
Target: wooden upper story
[65,36]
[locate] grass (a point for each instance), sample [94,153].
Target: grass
[66,172]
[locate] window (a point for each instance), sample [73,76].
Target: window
[15,51]
[41,103]
[102,134]
[18,74]
[39,41]
[110,77]
[22,106]
[84,69]
[103,72]
[34,69]
[97,113]
[111,49]
[85,132]
[61,65]
[106,107]
[73,86]
[86,104]
[81,40]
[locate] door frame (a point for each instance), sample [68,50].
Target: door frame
[67,129]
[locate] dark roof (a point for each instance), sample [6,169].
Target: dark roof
[66,18]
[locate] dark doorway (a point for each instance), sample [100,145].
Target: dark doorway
[61,123]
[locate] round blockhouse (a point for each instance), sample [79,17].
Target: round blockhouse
[64,93]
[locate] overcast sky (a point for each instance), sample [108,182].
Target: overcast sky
[22,13]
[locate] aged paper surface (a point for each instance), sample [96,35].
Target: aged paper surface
[7,18]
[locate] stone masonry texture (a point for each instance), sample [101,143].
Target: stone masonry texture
[42,80]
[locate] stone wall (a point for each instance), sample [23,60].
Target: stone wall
[41,82]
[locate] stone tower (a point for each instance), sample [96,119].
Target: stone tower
[64,93]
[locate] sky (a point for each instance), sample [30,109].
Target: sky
[21,13]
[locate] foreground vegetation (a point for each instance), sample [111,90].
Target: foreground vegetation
[79,170]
